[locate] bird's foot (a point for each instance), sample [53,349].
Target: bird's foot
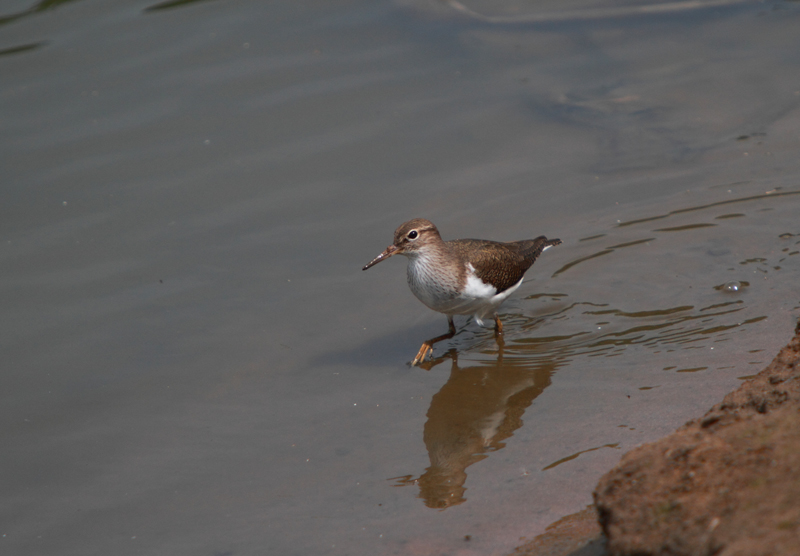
[423,351]
[427,347]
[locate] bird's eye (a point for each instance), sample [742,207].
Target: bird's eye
[413,234]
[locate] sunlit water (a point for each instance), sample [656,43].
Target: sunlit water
[194,362]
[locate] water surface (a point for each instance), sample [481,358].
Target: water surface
[194,361]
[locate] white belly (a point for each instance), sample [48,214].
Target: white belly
[482,300]
[442,294]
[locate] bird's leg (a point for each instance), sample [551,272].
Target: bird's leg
[498,326]
[498,337]
[428,345]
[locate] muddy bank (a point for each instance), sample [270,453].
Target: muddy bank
[726,483]
[578,534]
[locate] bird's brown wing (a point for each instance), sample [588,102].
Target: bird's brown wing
[501,264]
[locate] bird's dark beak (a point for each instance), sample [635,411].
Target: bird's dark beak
[388,252]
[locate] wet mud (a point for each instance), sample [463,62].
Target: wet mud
[726,483]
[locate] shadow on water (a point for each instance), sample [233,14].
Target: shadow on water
[478,408]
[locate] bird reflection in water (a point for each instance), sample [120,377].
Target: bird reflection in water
[472,415]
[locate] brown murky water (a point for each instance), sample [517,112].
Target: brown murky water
[194,361]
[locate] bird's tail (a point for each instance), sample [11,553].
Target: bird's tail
[534,247]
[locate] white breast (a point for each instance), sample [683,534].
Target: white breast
[434,289]
[441,292]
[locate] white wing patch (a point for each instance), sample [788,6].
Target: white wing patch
[481,299]
[477,288]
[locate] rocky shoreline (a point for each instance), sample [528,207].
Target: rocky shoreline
[727,483]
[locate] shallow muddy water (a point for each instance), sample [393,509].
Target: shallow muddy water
[194,362]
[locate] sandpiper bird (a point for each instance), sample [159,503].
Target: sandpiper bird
[461,276]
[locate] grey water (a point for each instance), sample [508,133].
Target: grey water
[193,361]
